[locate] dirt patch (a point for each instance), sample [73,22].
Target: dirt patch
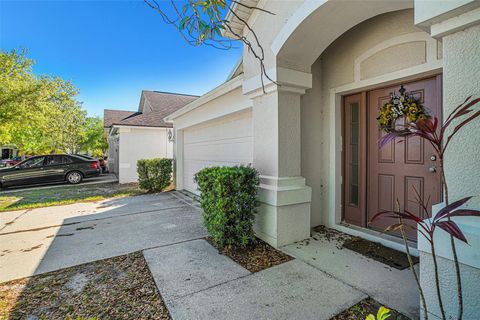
[116,288]
[380,253]
[372,250]
[365,307]
[258,257]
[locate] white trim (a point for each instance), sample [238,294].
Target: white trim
[178,158]
[235,68]
[117,126]
[226,110]
[294,22]
[431,49]
[213,94]
[283,191]
[334,193]
[284,80]
[455,24]
[361,12]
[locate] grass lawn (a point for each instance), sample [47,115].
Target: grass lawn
[115,288]
[67,194]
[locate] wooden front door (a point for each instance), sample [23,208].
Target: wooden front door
[398,169]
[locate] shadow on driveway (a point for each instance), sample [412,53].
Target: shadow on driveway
[47,239]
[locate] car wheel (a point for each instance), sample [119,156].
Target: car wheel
[74,177]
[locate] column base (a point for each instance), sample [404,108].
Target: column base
[284,213]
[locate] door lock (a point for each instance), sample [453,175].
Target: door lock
[432,169]
[433,157]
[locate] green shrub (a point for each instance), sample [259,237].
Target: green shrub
[229,201]
[154,175]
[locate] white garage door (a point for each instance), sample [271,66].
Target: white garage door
[226,141]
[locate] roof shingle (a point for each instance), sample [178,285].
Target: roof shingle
[113,116]
[162,105]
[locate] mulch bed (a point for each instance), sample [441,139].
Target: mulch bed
[116,288]
[258,257]
[365,307]
[380,253]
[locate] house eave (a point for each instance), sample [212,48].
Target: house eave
[222,89]
[239,9]
[117,126]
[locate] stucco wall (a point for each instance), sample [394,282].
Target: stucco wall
[140,143]
[270,26]
[461,52]
[336,67]
[446,267]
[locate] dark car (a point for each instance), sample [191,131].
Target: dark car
[101,162]
[49,168]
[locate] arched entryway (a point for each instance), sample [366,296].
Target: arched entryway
[348,49]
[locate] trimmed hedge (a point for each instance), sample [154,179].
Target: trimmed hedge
[154,175]
[229,201]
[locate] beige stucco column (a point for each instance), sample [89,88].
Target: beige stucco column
[284,214]
[457,24]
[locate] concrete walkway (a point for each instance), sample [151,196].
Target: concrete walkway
[198,283]
[389,286]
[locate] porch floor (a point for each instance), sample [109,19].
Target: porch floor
[389,286]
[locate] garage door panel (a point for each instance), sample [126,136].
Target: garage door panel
[224,142]
[226,151]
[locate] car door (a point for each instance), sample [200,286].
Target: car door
[55,168]
[30,171]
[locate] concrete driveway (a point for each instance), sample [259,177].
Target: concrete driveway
[46,239]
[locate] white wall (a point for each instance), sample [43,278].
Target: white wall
[137,143]
[461,51]
[461,79]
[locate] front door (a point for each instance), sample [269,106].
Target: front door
[399,171]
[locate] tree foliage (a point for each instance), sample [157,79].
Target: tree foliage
[42,114]
[202,22]
[95,140]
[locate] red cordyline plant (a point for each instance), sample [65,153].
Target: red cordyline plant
[439,136]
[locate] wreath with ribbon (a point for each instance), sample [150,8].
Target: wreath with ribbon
[400,106]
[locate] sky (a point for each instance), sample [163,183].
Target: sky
[111,50]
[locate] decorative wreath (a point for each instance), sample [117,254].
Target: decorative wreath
[400,106]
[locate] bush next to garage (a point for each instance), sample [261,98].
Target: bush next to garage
[229,202]
[154,175]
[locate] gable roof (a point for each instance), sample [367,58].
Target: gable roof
[113,116]
[161,104]
[165,101]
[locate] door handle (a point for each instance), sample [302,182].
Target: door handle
[432,169]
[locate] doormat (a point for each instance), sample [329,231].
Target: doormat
[380,253]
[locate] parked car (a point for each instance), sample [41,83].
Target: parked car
[102,162]
[49,168]
[9,162]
